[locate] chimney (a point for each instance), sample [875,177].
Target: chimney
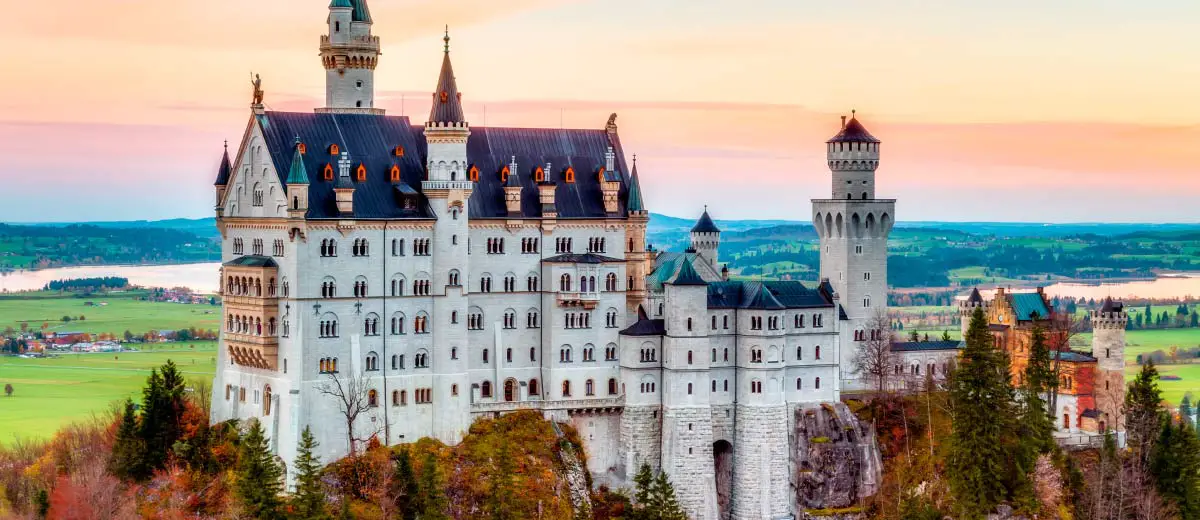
[512,190]
[610,185]
[343,191]
[546,190]
[843,122]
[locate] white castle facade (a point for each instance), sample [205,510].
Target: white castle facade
[462,272]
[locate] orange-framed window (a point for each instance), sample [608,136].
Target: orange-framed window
[504,175]
[302,148]
[539,175]
[473,173]
[334,150]
[399,151]
[570,175]
[600,174]
[328,172]
[395,173]
[361,172]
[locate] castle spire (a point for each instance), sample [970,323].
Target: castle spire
[447,101]
[297,174]
[635,190]
[224,169]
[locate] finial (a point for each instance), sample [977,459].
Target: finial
[227,145]
[635,160]
[447,39]
[297,140]
[853,114]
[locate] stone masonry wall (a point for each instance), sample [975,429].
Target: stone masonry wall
[688,459]
[760,472]
[641,434]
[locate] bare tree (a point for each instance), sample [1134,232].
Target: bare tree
[1063,327]
[875,358]
[353,396]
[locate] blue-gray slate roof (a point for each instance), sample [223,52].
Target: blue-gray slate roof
[920,346]
[705,224]
[372,139]
[765,295]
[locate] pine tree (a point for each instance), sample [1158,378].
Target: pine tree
[1185,409]
[162,409]
[259,478]
[1143,411]
[127,462]
[1175,464]
[644,481]
[404,485]
[308,502]
[978,460]
[946,336]
[432,503]
[668,505]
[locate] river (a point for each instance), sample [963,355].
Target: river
[203,278]
[198,277]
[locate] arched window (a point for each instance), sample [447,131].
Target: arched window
[564,283]
[817,384]
[533,387]
[612,386]
[485,389]
[589,387]
[372,398]
[817,352]
[610,282]
[372,362]
[566,388]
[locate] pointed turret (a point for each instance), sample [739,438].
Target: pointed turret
[635,204]
[705,224]
[853,132]
[224,169]
[447,101]
[687,275]
[223,173]
[706,238]
[297,183]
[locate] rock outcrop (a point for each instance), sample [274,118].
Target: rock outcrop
[835,456]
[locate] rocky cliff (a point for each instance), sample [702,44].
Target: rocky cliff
[835,456]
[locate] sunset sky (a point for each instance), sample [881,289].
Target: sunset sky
[1026,110]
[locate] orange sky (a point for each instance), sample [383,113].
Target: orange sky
[1078,111]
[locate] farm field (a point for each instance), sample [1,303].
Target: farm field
[122,312]
[1173,391]
[50,393]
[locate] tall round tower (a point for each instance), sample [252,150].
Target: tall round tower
[706,238]
[349,53]
[1108,347]
[967,307]
[853,227]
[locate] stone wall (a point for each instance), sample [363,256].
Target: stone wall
[688,458]
[760,471]
[641,438]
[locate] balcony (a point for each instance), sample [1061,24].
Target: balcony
[571,405]
[447,185]
[587,300]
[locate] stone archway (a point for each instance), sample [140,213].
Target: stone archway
[723,464]
[510,390]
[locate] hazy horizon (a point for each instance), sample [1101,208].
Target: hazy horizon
[1024,112]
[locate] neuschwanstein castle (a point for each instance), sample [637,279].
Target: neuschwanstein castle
[462,271]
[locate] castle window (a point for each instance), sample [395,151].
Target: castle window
[485,389]
[799,353]
[302,148]
[817,384]
[361,172]
[327,172]
[817,352]
[566,389]
[334,150]
[756,387]
[398,151]
[689,324]
[589,387]
[570,175]
[504,175]
[689,359]
[612,386]
[372,398]
[394,173]
[689,393]
[473,174]
[799,384]
[539,175]
[756,355]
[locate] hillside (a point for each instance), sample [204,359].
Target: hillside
[44,246]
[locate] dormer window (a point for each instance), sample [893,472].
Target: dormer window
[399,151]
[473,174]
[302,148]
[334,150]
[445,96]
[539,175]
[570,175]
[394,173]
[600,174]
[361,172]
[328,172]
[504,175]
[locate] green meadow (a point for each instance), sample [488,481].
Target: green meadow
[52,392]
[113,313]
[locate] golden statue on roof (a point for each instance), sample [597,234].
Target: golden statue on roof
[258,92]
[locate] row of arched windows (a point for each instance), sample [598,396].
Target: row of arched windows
[589,387]
[247,286]
[249,325]
[361,247]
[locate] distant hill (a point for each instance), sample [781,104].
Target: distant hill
[201,227]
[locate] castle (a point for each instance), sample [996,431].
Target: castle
[456,272]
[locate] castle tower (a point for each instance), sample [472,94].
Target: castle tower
[967,307]
[853,227]
[639,259]
[1108,347]
[448,189]
[349,54]
[687,434]
[706,237]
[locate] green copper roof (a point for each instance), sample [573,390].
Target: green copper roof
[1026,305]
[361,13]
[341,3]
[297,175]
[635,192]
[687,276]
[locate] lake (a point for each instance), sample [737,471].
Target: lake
[1185,285]
[203,278]
[198,277]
